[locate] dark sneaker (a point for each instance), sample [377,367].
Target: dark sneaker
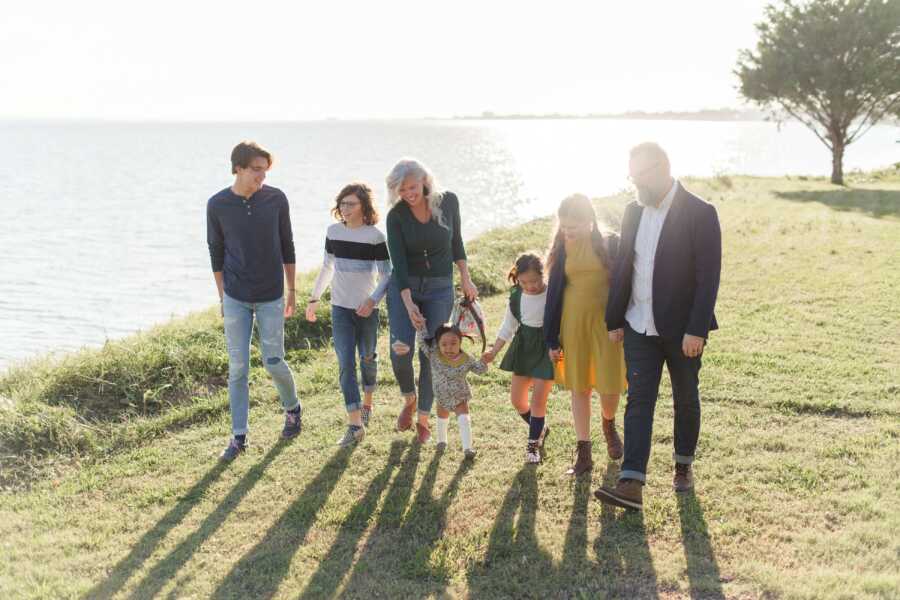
[614,447]
[684,478]
[353,435]
[470,454]
[366,413]
[293,423]
[441,446]
[533,452]
[234,448]
[545,433]
[583,460]
[628,493]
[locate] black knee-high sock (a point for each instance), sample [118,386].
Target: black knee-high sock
[535,427]
[526,416]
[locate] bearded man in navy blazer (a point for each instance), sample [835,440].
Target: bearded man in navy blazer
[661,302]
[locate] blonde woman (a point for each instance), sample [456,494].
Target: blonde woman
[424,242]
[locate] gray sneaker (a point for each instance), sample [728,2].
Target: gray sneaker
[234,448]
[366,412]
[353,435]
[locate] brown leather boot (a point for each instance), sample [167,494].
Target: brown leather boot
[628,493]
[405,418]
[613,442]
[684,478]
[583,460]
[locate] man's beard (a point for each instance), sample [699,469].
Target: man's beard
[649,196]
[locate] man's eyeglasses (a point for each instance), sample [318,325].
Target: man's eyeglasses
[640,174]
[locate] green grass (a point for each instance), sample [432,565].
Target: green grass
[112,487]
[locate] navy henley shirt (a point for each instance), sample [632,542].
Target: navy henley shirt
[249,241]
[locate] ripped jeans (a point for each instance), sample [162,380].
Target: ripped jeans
[355,335]
[238,330]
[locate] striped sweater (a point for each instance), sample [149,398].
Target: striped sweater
[356,266]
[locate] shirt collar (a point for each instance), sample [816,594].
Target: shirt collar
[667,199]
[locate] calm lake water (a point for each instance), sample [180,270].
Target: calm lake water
[103,225]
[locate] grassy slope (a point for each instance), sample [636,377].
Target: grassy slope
[798,465]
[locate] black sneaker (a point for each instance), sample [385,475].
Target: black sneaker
[234,448]
[293,423]
[470,454]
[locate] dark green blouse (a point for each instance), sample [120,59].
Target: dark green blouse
[424,249]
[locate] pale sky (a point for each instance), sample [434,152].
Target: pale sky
[273,60]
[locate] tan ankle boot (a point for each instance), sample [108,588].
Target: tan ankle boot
[684,478]
[583,460]
[613,442]
[628,493]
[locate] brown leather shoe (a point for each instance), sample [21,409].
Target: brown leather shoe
[423,434]
[613,442]
[628,493]
[583,460]
[405,418]
[684,478]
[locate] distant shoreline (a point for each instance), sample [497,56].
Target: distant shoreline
[724,114]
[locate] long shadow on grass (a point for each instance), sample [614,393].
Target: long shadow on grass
[876,203]
[145,547]
[702,570]
[514,564]
[259,572]
[399,560]
[622,550]
[334,566]
[166,569]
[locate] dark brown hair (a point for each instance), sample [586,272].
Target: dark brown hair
[365,195]
[577,207]
[444,330]
[245,152]
[526,262]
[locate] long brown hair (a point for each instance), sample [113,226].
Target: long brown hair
[365,195]
[577,207]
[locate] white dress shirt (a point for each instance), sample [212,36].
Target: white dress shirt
[532,308]
[640,307]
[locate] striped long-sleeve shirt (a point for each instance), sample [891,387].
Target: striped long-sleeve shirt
[356,266]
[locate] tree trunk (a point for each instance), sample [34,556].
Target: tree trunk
[837,163]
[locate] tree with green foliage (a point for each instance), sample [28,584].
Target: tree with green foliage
[833,65]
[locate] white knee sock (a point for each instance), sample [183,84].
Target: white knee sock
[465,431]
[443,425]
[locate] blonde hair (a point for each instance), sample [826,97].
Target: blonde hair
[410,167]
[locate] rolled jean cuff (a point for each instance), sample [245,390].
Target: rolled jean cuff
[354,406]
[296,406]
[368,389]
[636,475]
[682,460]
[243,431]
[427,413]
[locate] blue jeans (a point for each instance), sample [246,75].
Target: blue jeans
[238,330]
[434,297]
[644,358]
[353,334]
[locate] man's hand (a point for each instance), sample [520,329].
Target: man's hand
[617,335]
[290,304]
[365,309]
[692,346]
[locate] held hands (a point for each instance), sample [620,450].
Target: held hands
[488,357]
[365,309]
[617,335]
[415,316]
[692,346]
[555,354]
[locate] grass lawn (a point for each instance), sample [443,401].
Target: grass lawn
[112,487]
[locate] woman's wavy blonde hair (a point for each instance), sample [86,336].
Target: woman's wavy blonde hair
[410,167]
